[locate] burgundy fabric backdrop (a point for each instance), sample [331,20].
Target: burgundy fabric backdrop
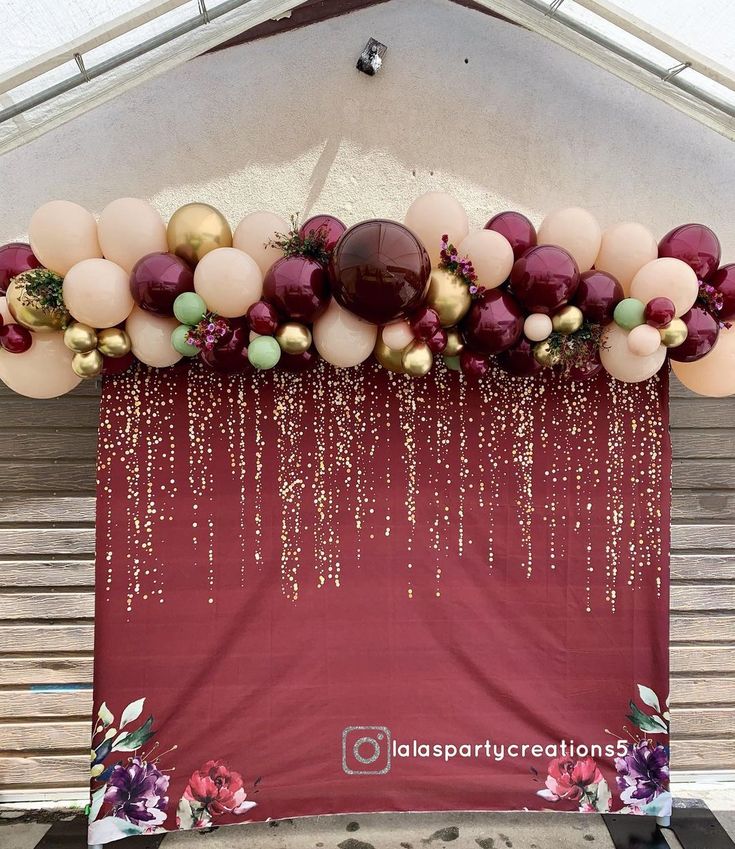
[350,591]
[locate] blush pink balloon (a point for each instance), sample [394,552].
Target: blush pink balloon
[253,234]
[397,335]
[437,214]
[537,327]
[644,340]
[150,338]
[229,281]
[62,234]
[624,249]
[619,361]
[576,230]
[97,293]
[713,375]
[129,229]
[342,338]
[666,278]
[491,256]
[43,371]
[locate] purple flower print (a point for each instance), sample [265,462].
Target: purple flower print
[643,773]
[137,792]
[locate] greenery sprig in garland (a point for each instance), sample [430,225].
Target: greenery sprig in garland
[312,244]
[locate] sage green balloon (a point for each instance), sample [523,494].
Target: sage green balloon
[264,352]
[630,313]
[452,363]
[179,343]
[189,308]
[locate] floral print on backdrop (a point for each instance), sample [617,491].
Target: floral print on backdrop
[130,795]
[642,771]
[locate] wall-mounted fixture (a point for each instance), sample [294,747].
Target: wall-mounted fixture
[371,57]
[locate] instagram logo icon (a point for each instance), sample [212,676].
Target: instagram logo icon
[366,750]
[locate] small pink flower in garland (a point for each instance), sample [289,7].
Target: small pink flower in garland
[208,333]
[712,300]
[460,267]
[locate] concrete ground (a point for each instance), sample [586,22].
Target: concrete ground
[64,829]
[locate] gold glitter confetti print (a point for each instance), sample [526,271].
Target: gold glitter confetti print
[311,484]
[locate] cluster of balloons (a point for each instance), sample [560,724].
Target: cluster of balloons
[569,294]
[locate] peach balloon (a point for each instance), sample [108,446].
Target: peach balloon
[622,363]
[397,335]
[62,234]
[437,214]
[537,327]
[254,232]
[43,371]
[342,338]
[644,340]
[229,280]
[97,293]
[625,248]
[129,229]
[150,338]
[714,374]
[491,255]
[666,278]
[5,313]
[574,229]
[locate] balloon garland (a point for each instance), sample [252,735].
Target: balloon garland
[89,297]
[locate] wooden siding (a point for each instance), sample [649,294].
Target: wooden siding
[47,474]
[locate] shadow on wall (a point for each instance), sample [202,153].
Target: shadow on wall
[287,123]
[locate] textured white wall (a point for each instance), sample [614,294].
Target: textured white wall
[288,124]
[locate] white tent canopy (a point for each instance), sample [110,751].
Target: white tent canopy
[59,58]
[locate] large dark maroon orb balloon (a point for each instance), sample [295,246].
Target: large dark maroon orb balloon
[15,258]
[379,270]
[231,355]
[493,323]
[694,244]
[702,333]
[519,360]
[544,279]
[724,281]
[298,287]
[516,228]
[158,279]
[597,295]
[327,226]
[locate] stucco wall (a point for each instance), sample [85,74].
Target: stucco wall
[465,103]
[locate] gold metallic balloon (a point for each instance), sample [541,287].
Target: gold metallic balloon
[27,313]
[455,343]
[113,342]
[567,320]
[196,229]
[388,357]
[544,354]
[417,358]
[294,338]
[674,333]
[80,338]
[87,365]
[448,296]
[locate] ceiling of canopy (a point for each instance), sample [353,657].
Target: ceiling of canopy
[59,58]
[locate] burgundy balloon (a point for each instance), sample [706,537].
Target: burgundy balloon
[15,339]
[544,279]
[425,323]
[519,359]
[231,354]
[327,225]
[438,341]
[516,228]
[298,287]
[586,370]
[694,244]
[298,362]
[15,258]
[158,279]
[702,333]
[262,318]
[494,322]
[472,364]
[724,281]
[597,295]
[379,270]
[659,312]
[117,365]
